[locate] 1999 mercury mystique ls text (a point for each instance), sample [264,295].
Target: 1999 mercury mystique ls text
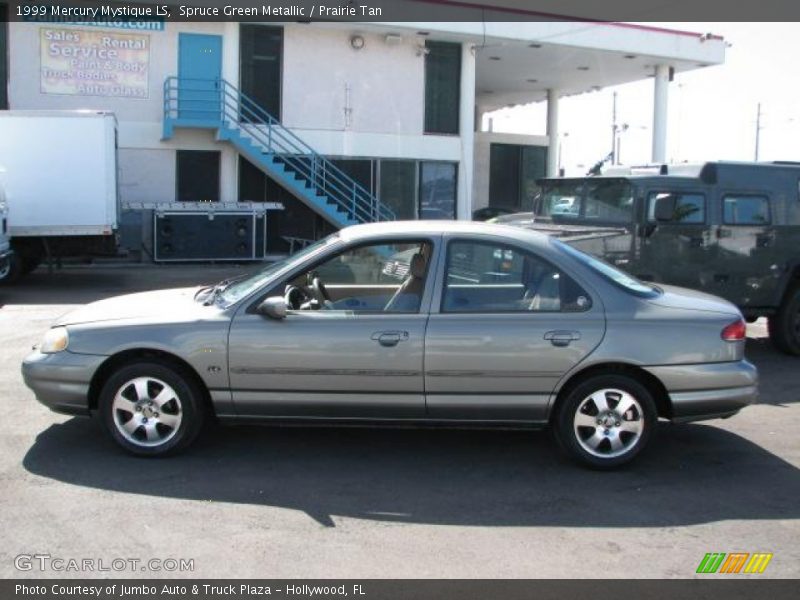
[446,323]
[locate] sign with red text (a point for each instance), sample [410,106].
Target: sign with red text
[77,62]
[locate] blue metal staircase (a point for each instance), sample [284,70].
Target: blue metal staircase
[257,135]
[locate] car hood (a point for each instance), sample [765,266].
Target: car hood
[686,299]
[164,304]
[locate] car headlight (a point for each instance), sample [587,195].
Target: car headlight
[55,340]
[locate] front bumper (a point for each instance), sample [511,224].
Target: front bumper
[61,381]
[709,390]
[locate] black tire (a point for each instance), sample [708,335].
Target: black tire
[13,271]
[187,408]
[784,327]
[577,440]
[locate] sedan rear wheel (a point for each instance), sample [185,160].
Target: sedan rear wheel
[606,421]
[150,409]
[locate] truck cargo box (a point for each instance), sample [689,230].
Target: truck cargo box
[59,172]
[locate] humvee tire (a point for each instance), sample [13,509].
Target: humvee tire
[12,271]
[784,327]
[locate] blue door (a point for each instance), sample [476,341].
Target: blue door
[199,75]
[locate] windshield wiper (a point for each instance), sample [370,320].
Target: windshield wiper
[214,291]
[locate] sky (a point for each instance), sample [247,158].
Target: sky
[712,111]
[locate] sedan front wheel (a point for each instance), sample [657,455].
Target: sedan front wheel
[606,421]
[151,409]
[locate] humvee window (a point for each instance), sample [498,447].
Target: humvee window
[689,207]
[745,210]
[562,200]
[604,201]
[609,201]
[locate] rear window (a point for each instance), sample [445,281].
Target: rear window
[619,278]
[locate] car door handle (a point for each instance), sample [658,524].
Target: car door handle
[562,338]
[390,338]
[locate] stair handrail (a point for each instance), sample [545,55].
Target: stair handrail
[264,129]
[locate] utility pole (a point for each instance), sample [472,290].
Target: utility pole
[758,128]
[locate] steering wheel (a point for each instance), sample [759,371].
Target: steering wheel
[320,293]
[295,297]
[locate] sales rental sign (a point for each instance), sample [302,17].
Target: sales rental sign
[78,62]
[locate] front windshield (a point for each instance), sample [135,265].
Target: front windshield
[619,278]
[603,200]
[243,288]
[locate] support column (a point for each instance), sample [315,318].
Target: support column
[466,131]
[230,53]
[552,132]
[660,101]
[229,165]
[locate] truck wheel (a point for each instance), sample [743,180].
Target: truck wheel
[606,421]
[784,327]
[150,409]
[12,271]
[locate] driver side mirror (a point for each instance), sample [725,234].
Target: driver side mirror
[274,308]
[665,208]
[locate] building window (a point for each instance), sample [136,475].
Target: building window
[360,170]
[442,87]
[745,210]
[513,171]
[398,187]
[261,58]
[3,57]
[437,190]
[197,174]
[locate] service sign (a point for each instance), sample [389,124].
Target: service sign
[77,62]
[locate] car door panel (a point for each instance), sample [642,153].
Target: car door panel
[327,364]
[499,353]
[353,357]
[502,366]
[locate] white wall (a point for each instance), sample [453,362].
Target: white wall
[387,100]
[386,82]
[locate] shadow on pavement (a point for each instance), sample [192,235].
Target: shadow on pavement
[690,474]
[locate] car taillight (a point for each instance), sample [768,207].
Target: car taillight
[735,331]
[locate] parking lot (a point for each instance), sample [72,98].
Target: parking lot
[306,503]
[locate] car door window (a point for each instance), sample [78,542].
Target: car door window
[745,210]
[487,277]
[385,277]
[690,207]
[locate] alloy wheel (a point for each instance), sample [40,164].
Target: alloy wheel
[608,423]
[147,412]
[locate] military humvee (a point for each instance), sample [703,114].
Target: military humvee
[727,228]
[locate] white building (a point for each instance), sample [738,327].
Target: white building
[391,106]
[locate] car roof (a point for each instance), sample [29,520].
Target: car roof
[370,230]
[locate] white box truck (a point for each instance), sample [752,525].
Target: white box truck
[5,243]
[58,170]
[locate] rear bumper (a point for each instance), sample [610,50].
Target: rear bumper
[61,381]
[708,391]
